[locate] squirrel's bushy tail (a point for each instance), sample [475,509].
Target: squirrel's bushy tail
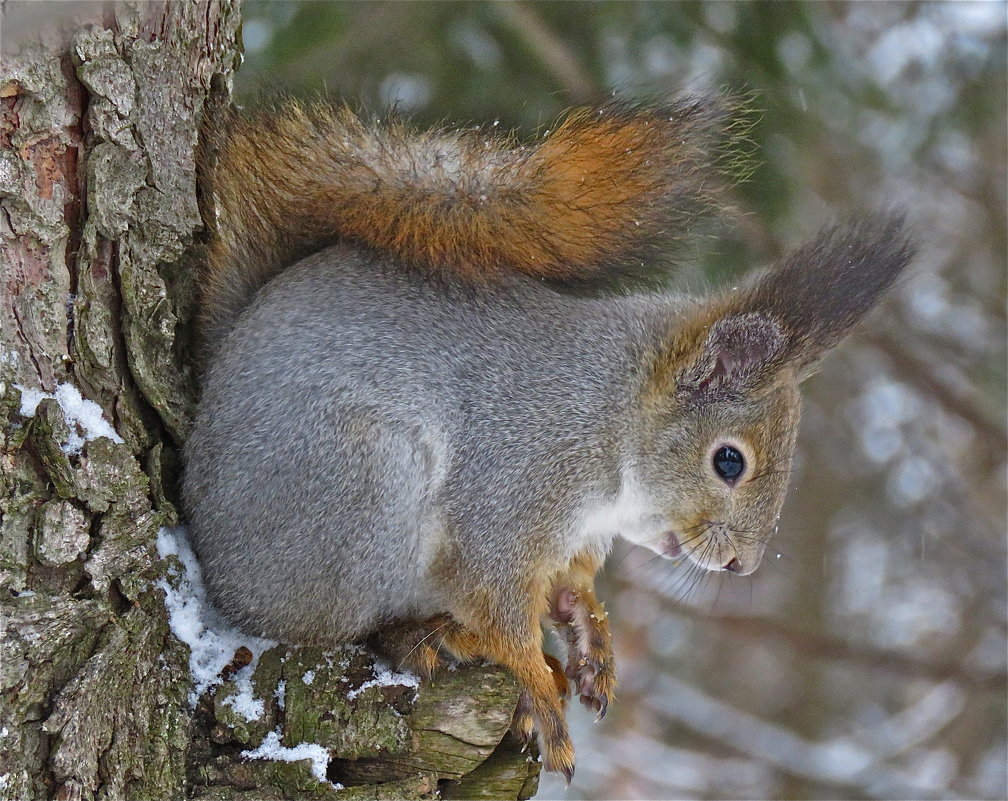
[604,190]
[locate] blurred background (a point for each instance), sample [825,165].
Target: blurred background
[867,656]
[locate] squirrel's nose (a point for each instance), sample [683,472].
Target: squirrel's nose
[740,568]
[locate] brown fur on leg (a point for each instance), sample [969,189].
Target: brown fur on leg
[458,641]
[411,644]
[559,676]
[540,708]
[415,644]
[507,631]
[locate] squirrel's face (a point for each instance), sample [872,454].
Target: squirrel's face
[716,474]
[720,396]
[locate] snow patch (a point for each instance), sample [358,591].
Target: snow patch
[82,416]
[387,678]
[212,642]
[244,702]
[272,749]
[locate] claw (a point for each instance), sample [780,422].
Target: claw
[568,773]
[598,703]
[524,732]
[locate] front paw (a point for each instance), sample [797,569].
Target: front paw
[584,627]
[594,681]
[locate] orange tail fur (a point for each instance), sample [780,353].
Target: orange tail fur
[606,189]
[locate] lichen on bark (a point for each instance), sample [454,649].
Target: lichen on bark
[95,686]
[384,738]
[100,109]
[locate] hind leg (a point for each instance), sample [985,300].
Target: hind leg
[513,641]
[507,631]
[417,645]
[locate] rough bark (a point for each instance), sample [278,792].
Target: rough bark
[100,108]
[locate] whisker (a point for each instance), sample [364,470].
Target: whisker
[698,570]
[764,539]
[425,638]
[684,544]
[720,586]
[766,473]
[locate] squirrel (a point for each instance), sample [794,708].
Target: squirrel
[411,429]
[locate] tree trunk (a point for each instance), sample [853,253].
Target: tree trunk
[100,106]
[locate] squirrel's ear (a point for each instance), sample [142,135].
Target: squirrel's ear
[821,290]
[740,350]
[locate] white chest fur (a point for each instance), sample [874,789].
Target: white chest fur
[630,514]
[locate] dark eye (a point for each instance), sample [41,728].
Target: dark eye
[728,463]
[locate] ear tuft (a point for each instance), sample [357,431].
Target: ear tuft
[823,289]
[738,354]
